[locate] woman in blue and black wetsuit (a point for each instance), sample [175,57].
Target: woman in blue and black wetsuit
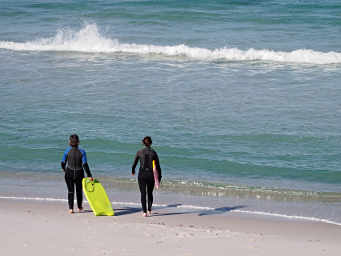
[146,175]
[74,163]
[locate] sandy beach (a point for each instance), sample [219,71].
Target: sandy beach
[45,228]
[242,103]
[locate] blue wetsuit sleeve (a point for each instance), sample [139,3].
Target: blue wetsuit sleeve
[84,159]
[64,158]
[66,152]
[85,163]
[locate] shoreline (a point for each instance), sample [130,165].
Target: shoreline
[200,210]
[46,227]
[125,192]
[197,187]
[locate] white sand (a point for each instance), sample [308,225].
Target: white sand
[45,228]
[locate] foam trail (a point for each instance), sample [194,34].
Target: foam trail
[288,216]
[34,198]
[193,207]
[89,40]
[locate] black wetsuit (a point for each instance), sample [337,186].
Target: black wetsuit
[146,175]
[74,163]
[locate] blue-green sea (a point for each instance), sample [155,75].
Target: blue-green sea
[242,98]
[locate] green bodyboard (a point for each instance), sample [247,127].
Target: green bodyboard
[97,197]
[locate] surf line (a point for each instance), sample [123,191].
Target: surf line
[313,219]
[89,39]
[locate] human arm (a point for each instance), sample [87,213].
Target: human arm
[64,159]
[87,170]
[135,163]
[85,164]
[63,165]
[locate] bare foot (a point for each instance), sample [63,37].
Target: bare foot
[144,214]
[149,213]
[71,211]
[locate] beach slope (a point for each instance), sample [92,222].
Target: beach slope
[46,228]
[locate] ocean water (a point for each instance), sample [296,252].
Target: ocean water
[242,98]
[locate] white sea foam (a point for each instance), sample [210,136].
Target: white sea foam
[189,207]
[288,216]
[195,207]
[34,198]
[89,40]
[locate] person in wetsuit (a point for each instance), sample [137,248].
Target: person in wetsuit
[146,176]
[74,163]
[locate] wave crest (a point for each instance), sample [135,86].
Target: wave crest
[89,40]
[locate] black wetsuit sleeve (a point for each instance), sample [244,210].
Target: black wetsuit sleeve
[87,170]
[63,164]
[158,167]
[135,163]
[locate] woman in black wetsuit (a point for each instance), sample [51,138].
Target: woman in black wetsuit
[146,176]
[74,163]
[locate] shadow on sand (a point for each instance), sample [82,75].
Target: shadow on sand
[220,210]
[131,210]
[84,211]
[126,210]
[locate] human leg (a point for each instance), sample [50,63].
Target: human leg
[150,189]
[79,192]
[71,189]
[142,186]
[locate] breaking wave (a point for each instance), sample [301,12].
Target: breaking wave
[89,40]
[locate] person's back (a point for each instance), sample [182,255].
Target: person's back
[147,155]
[146,181]
[73,163]
[74,158]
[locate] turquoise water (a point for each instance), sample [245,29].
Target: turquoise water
[233,93]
